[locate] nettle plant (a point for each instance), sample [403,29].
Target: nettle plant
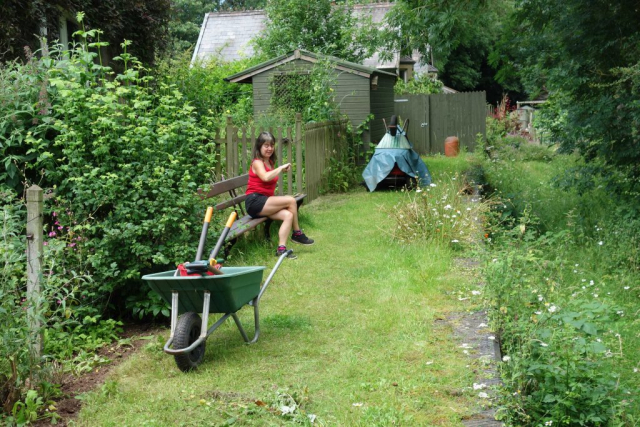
[558,345]
[443,212]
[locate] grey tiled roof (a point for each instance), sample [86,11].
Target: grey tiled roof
[229,34]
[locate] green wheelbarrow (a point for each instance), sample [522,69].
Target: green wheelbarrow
[226,293]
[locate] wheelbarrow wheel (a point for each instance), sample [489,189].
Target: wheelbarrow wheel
[187,332]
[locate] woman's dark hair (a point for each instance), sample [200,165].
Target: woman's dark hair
[263,138]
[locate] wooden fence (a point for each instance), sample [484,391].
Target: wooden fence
[323,141]
[233,153]
[308,148]
[432,118]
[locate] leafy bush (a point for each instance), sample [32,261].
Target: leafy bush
[125,158]
[25,124]
[203,86]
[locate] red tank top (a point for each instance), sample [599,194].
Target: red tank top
[256,185]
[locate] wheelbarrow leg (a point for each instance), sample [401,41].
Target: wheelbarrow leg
[240,328]
[256,317]
[174,314]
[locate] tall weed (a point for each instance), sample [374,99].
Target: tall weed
[444,212]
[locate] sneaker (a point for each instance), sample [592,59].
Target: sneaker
[282,250]
[301,238]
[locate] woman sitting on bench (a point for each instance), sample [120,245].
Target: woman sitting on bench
[261,201]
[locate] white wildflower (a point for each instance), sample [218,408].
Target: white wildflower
[476,292]
[553,309]
[544,344]
[357,404]
[483,395]
[482,325]
[287,409]
[601,243]
[432,185]
[479,386]
[506,358]
[626,288]
[491,337]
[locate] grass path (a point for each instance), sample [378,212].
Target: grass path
[347,330]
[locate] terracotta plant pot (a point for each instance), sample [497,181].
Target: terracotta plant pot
[451,146]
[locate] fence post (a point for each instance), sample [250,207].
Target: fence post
[298,144]
[230,172]
[34,259]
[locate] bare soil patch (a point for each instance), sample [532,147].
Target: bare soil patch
[68,406]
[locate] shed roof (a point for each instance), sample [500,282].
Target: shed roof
[247,75]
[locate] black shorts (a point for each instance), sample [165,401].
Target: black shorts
[255,203]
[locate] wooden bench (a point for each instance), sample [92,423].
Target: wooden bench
[235,188]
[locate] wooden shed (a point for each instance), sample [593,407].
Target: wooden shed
[359,90]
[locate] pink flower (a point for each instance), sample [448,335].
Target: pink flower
[71,245]
[54,214]
[52,234]
[45,243]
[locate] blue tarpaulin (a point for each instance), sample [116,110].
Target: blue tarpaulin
[395,150]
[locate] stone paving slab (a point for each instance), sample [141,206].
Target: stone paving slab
[471,330]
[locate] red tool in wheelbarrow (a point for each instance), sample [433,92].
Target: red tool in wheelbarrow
[225,292]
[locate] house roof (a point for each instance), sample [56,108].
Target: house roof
[229,35]
[247,75]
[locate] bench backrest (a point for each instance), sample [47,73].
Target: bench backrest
[227,186]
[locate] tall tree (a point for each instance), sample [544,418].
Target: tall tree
[317,26]
[457,34]
[142,22]
[587,55]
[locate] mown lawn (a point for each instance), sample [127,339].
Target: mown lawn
[347,331]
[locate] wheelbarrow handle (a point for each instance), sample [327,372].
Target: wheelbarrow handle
[273,271]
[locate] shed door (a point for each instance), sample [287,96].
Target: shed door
[416,109]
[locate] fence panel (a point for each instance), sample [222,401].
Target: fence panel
[309,149]
[458,115]
[435,117]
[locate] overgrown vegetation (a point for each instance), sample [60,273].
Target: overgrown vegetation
[562,286]
[591,70]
